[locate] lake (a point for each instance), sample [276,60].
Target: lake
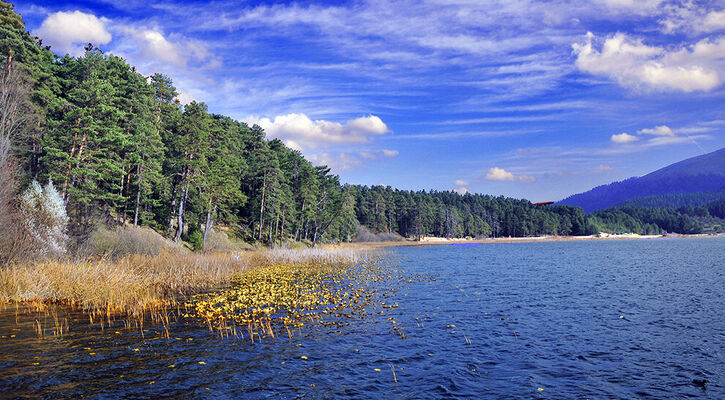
[595,319]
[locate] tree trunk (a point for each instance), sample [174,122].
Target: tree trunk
[261,208]
[70,163]
[171,220]
[209,224]
[138,193]
[180,215]
[120,194]
[182,200]
[276,230]
[284,219]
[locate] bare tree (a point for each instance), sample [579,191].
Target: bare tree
[13,115]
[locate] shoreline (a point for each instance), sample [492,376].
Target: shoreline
[432,241]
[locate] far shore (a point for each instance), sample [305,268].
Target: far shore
[430,241]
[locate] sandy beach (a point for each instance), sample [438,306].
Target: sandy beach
[431,240]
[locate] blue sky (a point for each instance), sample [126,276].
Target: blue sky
[530,99]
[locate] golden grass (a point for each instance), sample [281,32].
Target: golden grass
[136,284]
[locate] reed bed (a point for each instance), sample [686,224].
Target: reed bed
[138,284]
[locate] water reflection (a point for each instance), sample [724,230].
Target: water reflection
[577,320]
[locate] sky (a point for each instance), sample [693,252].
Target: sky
[521,98]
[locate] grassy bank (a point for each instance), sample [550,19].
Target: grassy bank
[132,283]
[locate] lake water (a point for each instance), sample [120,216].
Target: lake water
[604,319]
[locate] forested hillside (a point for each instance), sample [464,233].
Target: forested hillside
[675,200]
[121,150]
[705,173]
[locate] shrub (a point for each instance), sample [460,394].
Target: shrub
[196,239]
[218,241]
[126,241]
[44,219]
[364,234]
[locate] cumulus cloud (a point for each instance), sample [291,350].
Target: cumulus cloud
[662,135]
[153,49]
[154,45]
[69,32]
[500,174]
[662,130]
[623,138]
[461,190]
[636,65]
[460,182]
[713,21]
[310,134]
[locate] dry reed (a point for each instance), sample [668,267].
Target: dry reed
[136,284]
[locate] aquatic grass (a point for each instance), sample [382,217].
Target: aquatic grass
[286,297]
[138,284]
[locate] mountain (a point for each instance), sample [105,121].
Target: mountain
[705,173]
[674,200]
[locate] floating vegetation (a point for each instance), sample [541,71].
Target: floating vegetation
[284,298]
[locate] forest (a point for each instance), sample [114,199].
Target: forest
[106,145]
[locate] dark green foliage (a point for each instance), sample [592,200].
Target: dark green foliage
[675,200]
[123,151]
[447,214]
[647,220]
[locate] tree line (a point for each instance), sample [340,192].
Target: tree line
[121,150]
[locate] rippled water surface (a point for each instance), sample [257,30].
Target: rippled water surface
[615,319]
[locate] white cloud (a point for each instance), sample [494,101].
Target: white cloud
[690,18]
[309,134]
[185,98]
[152,49]
[623,138]
[500,174]
[154,45]
[377,154]
[637,6]
[69,32]
[602,168]
[461,190]
[713,21]
[390,153]
[460,182]
[661,135]
[526,178]
[670,140]
[336,161]
[636,65]
[662,130]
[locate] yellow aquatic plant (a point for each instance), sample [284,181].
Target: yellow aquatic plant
[285,297]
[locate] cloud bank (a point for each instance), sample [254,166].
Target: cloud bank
[301,132]
[636,65]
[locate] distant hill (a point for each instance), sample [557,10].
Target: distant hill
[705,173]
[674,200]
